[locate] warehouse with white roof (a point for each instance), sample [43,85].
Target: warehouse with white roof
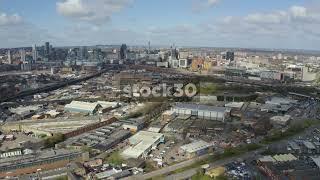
[195,148]
[82,107]
[142,143]
[202,111]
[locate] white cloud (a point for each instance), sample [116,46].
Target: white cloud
[272,18]
[212,2]
[15,31]
[199,5]
[91,11]
[73,8]
[7,20]
[294,27]
[294,15]
[298,11]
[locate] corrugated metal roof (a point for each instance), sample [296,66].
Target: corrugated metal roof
[195,146]
[201,107]
[82,106]
[309,145]
[267,159]
[294,145]
[316,160]
[284,157]
[141,141]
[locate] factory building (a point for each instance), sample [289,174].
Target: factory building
[142,143]
[202,111]
[196,148]
[82,107]
[133,124]
[273,75]
[278,105]
[42,161]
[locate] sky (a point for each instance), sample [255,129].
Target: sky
[285,24]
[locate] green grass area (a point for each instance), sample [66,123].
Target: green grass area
[62,178]
[209,89]
[42,136]
[114,158]
[201,176]
[235,151]
[294,129]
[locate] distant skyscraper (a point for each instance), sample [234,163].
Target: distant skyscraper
[123,52]
[23,55]
[96,55]
[34,53]
[9,57]
[47,50]
[230,56]
[83,52]
[149,47]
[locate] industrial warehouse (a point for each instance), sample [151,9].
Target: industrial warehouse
[202,111]
[142,143]
[43,161]
[196,148]
[90,108]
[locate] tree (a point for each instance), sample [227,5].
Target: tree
[53,140]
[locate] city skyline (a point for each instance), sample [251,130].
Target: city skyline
[212,23]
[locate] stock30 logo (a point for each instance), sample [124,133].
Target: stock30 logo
[160,90]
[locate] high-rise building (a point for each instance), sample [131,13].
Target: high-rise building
[123,52]
[47,50]
[34,53]
[83,52]
[230,56]
[9,57]
[23,55]
[96,55]
[149,47]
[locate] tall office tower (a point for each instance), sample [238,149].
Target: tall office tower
[34,53]
[47,50]
[83,52]
[149,47]
[9,57]
[96,55]
[23,55]
[123,51]
[230,56]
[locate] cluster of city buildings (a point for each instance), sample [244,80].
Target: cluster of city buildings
[250,65]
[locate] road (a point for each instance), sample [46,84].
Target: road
[46,175]
[167,169]
[191,172]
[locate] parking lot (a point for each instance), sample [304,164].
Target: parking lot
[238,170]
[166,154]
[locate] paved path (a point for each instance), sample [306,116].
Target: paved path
[167,169]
